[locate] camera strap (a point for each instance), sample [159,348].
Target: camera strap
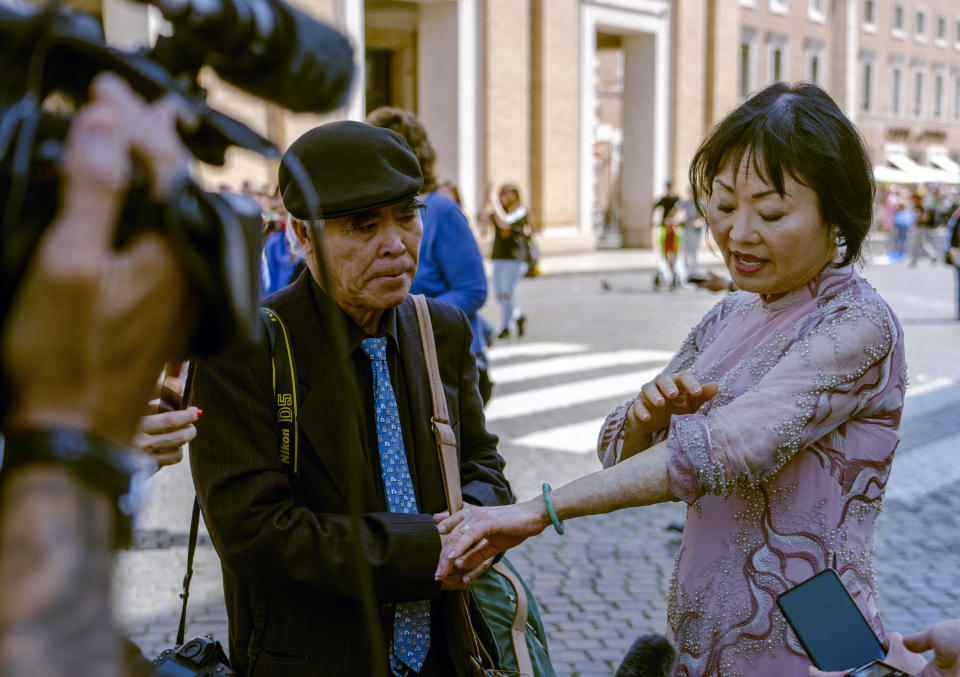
[284,390]
[194,527]
[287,405]
[191,549]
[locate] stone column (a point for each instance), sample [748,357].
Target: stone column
[507,94]
[723,43]
[554,125]
[640,55]
[842,45]
[690,46]
[469,114]
[438,82]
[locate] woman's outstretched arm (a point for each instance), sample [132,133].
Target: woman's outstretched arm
[484,532]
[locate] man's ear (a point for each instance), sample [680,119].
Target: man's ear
[303,235]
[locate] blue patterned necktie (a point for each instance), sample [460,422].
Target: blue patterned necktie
[411,620]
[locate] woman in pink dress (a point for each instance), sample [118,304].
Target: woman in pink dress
[777,419]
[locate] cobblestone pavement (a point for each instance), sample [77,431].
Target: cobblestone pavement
[591,340]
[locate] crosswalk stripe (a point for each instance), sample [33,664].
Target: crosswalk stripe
[929,386]
[570,359]
[542,349]
[910,480]
[576,438]
[540,400]
[932,395]
[573,363]
[581,438]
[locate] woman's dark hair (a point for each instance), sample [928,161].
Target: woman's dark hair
[510,188]
[454,192]
[407,125]
[795,129]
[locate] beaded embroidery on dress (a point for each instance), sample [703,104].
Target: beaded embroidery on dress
[784,468]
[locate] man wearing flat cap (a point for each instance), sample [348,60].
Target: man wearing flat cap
[293,560]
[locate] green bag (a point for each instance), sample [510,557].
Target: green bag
[502,619]
[501,633]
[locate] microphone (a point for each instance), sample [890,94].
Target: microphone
[265,47]
[649,656]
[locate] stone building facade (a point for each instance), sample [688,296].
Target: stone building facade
[907,98]
[590,105]
[892,65]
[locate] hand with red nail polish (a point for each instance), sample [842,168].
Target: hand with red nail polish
[163,434]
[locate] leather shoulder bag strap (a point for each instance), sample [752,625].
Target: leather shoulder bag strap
[450,466]
[518,629]
[450,469]
[442,432]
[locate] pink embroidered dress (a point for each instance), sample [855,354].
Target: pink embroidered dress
[784,469]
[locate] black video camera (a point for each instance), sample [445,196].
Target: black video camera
[200,657]
[47,61]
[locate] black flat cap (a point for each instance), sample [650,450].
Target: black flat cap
[353,167]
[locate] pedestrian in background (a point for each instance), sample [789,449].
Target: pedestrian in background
[665,204]
[693,226]
[891,202]
[451,265]
[669,236]
[923,241]
[667,201]
[280,262]
[511,254]
[904,221]
[953,249]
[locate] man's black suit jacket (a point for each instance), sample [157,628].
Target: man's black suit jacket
[293,546]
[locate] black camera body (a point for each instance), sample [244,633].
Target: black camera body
[216,236]
[263,46]
[200,657]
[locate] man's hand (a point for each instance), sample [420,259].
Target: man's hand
[90,326]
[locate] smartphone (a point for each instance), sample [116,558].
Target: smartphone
[877,669]
[829,625]
[175,389]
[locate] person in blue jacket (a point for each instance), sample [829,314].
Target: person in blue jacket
[280,264]
[451,266]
